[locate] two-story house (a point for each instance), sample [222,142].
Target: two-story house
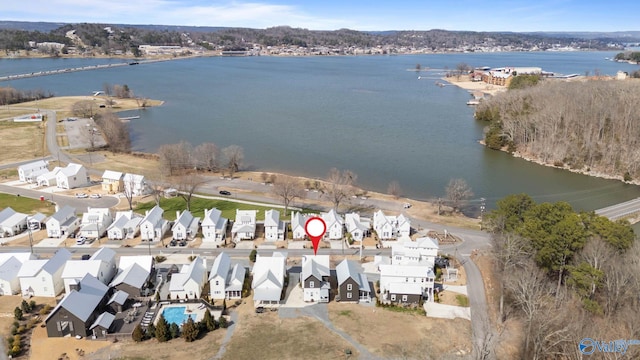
[43,277]
[244,228]
[214,226]
[274,229]
[62,222]
[314,278]
[95,222]
[353,285]
[153,226]
[112,181]
[334,223]
[186,226]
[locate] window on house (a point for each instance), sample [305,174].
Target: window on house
[349,287]
[43,280]
[393,297]
[404,298]
[348,295]
[311,284]
[217,282]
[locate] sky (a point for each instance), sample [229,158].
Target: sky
[369,15]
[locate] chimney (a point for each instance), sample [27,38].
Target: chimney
[177,214]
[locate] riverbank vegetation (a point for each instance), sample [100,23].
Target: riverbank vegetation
[563,276]
[10,95]
[588,126]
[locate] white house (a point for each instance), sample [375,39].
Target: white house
[153,226]
[36,221]
[356,226]
[135,184]
[421,275]
[423,251]
[186,226]
[244,228]
[125,226]
[334,224]
[72,176]
[391,227]
[95,222]
[112,181]
[268,278]
[43,277]
[132,274]
[298,221]
[273,227]
[29,172]
[225,281]
[314,278]
[10,264]
[63,222]
[101,265]
[12,223]
[214,226]
[188,283]
[48,178]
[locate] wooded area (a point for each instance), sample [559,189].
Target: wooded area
[564,276]
[586,125]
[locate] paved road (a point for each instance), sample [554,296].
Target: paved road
[621,210]
[61,200]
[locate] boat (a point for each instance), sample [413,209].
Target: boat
[473,102]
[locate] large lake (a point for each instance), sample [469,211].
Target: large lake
[368,114]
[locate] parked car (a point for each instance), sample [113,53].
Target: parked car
[406,205]
[173,242]
[81,240]
[81,195]
[86,257]
[95,196]
[260,310]
[225,192]
[183,243]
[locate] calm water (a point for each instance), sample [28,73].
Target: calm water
[367,114]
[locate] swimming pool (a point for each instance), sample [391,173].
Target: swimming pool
[177,315]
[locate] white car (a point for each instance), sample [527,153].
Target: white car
[81,195]
[81,240]
[95,196]
[406,205]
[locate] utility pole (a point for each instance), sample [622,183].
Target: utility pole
[482,200]
[30,238]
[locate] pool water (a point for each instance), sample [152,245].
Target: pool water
[177,315]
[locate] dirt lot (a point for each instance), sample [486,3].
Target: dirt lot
[21,141]
[265,336]
[7,305]
[402,335]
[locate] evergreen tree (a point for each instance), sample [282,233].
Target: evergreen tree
[174,330]
[137,334]
[151,331]
[190,330]
[209,321]
[223,322]
[162,330]
[17,313]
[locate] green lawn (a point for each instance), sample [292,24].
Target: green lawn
[228,208]
[25,205]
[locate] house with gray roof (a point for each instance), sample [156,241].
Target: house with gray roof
[125,226]
[298,221]
[9,268]
[353,285]
[225,281]
[101,265]
[72,176]
[269,273]
[153,226]
[118,301]
[102,326]
[36,221]
[48,178]
[79,309]
[29,172]
[214,226]
[334,224]
[95,222]
[244,228]
[273,228]
[314,278]
[63,222]
[357,227]
[188,283]
[12,223]
[44,277]
[131,280]
[185,226]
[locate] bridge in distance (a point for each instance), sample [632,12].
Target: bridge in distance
[620,211]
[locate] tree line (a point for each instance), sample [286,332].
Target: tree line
[564,276]
[10,95]
[586,125]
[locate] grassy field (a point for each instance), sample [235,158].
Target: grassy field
[21,141]
[25,205]
[228,208]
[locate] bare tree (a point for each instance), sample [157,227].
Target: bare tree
[340,186]
[458,191]
[288,189]
[83,108]
[187,185]
[115,132]
[510,251]
[128,191]
[394,189]
[264,176]
[234,156]
[175,157]
[206,156]
[273,178]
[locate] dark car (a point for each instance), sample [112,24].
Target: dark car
[173,242]
[260,310]
[183,243]
[86,257]
[224,192]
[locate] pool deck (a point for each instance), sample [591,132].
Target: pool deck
[196,309]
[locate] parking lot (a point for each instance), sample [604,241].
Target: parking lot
[81,132]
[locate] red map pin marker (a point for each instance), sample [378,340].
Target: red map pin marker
[315,228]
